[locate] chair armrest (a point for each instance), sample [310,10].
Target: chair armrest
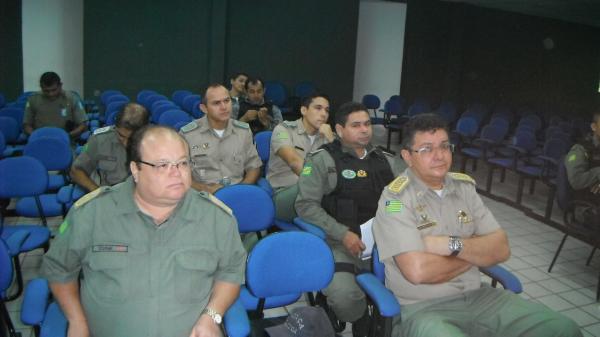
[15,241]
[507,279]
[55,324]
[265,185]
[308,227]
[35,302]
[383,298]
[236,321]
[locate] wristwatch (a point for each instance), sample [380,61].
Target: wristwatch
[216,317]
[455,245]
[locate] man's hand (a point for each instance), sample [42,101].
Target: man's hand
[353,243]
[595,189]
[325,130]
[78,328]
[206,327]
[263,116]
[250,115]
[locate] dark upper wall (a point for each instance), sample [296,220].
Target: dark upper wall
[11,60]
[179,44]
[466,53]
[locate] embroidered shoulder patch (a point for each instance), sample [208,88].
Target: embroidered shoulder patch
[306,170]
[103,130]
[290,124]
[189,127]
[283,135]
[83,200]
[399,184]
[462,177]
[572,158]
[240,124]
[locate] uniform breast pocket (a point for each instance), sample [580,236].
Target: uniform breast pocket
[107,164]
[107,279]
[194,273]
[201,161]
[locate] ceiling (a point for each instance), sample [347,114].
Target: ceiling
[577,11]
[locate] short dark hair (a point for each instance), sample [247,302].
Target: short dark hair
[211,86]
[132,116]
[341,115]
[254,81]
[236,75]
[49,79]
[427,122]
[308,99]
[134,151]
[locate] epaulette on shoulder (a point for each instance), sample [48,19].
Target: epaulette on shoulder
[399,184]
[189,127]
[217,202]
[103,130]
[290,124]
[83,200]
[312,153]
[239,124]
[462,177]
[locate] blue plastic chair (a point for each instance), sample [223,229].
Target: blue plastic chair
[15,112]
[106,94]
[173,118]
[179,95]
[153,98]
[190,101]
[252,207]
[162,102]
[373,103]
[143,95]
[10,130]
[420,106]
[50,132]
[483,147]
[447,110]
[385,305]
[283,266]
[7,270]
[304,89]
[56,155]
[263,147]
[509,156]
[466,129]
[117,98]
[276,93]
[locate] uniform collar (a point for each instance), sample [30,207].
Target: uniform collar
[422,188]
[348,150]
[205,126]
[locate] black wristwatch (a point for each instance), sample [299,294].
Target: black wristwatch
[455,245]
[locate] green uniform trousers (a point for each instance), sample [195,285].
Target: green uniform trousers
[284,200]
[482,312]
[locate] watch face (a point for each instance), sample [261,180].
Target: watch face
[217,318]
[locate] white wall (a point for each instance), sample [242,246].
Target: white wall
[379,49]
[53,41]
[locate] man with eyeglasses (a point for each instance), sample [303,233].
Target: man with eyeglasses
[222,148]
[337,191]
[103,160]
[156,257]
[433,232]
[55,107]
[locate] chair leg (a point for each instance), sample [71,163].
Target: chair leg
[503,176]
[557,252]
[550,203]
[589,260]
[19,279]
[532,186]
[9,324]
[520,187]
[490,176]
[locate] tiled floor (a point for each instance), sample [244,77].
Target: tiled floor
[570,288]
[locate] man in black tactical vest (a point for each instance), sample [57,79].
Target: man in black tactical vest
[254,109]
[338,191]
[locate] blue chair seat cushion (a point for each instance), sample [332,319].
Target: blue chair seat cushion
[50,205]
[38,235]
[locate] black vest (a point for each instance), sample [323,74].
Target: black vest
[255,125]
[359,186]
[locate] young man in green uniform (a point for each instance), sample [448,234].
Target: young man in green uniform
[337,191]
[583,163]
[156,257]
[103,161]
[433,232]
[290,143]
[222,148]
[54,107]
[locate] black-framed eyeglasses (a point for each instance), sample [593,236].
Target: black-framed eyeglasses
[165,166]
[427,150]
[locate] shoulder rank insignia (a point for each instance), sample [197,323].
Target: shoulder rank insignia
[239,124]
[189,127]
[290,124]
[103,130]
[312,153]
[398,184]
[462,177]
[83,200]
[218,202]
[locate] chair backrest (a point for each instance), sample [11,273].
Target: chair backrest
[500,123]
[106,94]
[50,132]
[22,177]
[263,145]
[117,98]
[275,92]
[467,126]
[9,128]
[160,109]
[304,89]
[190,101]
[525,140]
[151,99]
[54,153]
[14,112]
[289,262]
[493,133]
[252,206]
[447,110]
[419,107]
[178,95]
[371,101]
[378,266]
[173,117]
[2,143]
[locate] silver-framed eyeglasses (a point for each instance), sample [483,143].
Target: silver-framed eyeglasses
[165,166]
[427,150]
